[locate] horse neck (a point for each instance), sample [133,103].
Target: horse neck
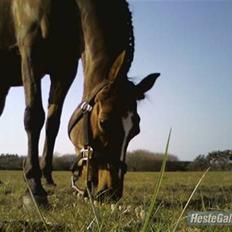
[105,36]
[94,74]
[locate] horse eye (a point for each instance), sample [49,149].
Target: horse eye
[104,123]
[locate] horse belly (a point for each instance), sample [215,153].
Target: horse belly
[7,32]
[10,71]
[10,68]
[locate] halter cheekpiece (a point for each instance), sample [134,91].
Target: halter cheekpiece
[86,153]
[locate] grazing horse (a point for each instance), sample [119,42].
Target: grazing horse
[49,37]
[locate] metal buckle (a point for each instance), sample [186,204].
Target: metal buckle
[86,107]
[87,153]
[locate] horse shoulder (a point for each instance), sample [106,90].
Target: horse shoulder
[29,16]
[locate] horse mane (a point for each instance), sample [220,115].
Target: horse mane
[115,19]
[131,39]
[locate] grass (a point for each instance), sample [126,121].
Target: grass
[188,201]
[68,213]
[150,213]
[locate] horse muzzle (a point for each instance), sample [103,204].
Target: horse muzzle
[98,178]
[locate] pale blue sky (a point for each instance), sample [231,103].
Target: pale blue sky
[190,43]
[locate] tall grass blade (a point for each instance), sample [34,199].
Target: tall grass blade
[187,203]
[155,194]
[202,202]
[94,211]
[35,203]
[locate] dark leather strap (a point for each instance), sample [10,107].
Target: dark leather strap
[83,111]
[78,112]
[86,129]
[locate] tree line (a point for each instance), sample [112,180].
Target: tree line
[216,160]
[139,160]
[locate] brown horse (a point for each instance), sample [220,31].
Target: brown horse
[48,37]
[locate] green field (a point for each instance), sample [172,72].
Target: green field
[69,213]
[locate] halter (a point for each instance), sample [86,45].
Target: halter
[86,154]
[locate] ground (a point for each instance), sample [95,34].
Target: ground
[69,213]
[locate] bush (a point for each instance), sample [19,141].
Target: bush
[143,160]
[216,160]
[11,162]
[63,162]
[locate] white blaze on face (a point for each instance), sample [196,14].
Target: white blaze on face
[127,124]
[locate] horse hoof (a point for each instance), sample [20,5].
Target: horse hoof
[51,184]
[37,201]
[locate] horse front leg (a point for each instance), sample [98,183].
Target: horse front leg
[58,92]
[33,122]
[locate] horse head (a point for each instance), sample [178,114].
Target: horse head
[109,121]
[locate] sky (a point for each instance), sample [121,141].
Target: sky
[190,44]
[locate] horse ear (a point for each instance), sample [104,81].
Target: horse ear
[115,69]
[145,85]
